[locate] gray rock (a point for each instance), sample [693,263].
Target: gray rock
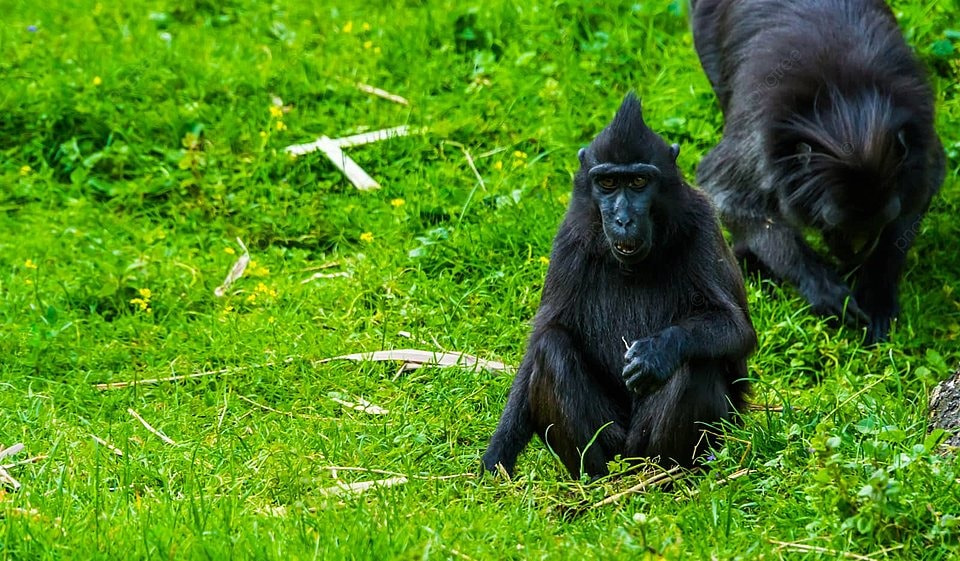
[945,408]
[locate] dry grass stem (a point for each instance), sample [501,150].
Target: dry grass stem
[355,174]
[335,469]
[107,445]
[817,549]
[359,487]
[375,136]
[179,377]
[239,266]
[414,358]
[763,407]
[362,405]
[7,480]
[317,276]
[372,90]
[32,460]
[657,479]
[11,451]
[147,426]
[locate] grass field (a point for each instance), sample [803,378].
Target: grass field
[139,140]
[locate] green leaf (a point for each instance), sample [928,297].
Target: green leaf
[936,360]
[933,440]
[891,433]
[942,48]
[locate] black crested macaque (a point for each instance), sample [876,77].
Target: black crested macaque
[828,129]
[640,258]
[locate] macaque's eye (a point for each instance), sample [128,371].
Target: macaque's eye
[639,182]
[606,182]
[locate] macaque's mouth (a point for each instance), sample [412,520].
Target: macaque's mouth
[626,248]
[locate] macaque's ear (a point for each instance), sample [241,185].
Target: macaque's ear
[582,156]
[675,151]
[902,139]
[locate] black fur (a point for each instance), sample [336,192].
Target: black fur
[682,305]
[828,126]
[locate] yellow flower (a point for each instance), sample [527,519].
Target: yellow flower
[141,303]
[229,250]
[263,134]
[25,170]
[145,293]
[281,126]
[367,44]
[97,80]
[376,50]
[276,112]
[519,155]
[544,260]
[262,288]
[366,237]
[29,264]
[396,203]
[254,269]
[498,165]
[365,26]
[348,27]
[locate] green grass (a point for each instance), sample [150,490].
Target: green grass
[137,144]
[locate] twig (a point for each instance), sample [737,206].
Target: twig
[396,473]
[239,266]
[735,475]
[319,275]
[724,480]
[352,140]
[492,152]
[285,413]
[342,488]
[367,88]
[763,407]
[204,374]
[8,480]
[887,550]
[360,179]
[417,358]
[466,154]
[658,479]
[375,136]
[817,549]
[362,405]
[146,425]
[460,554]
[32,460]
[223,411]
[11,451]
[319,267]
[107,445]
[411,358]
